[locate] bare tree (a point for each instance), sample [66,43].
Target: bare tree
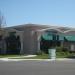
[2,33]
[2,24]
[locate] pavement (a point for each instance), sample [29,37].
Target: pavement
[58,66]
[30,67]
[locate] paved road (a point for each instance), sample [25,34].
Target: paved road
[37,68]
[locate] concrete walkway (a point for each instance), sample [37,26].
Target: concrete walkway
[58,59]
[26,56]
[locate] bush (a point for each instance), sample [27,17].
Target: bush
[62,49]
[58,49]
[39,53]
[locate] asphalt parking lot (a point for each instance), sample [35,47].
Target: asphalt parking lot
[37,68]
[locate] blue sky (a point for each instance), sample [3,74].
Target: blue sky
[51,12]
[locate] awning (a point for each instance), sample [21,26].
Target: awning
[70,37]
[61,38]
[58,37]
[47,37]
[52,37]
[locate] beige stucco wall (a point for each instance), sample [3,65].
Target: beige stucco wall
[31,40]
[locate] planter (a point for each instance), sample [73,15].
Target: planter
[52,53]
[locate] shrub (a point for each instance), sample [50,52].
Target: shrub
[58,49]
[62,49]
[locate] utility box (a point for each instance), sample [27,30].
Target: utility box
[52,53]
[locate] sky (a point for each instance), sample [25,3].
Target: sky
[50,12]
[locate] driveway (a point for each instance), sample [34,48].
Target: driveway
[30,67]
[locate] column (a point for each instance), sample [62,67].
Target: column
[38,44]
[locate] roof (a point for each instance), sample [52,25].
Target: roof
[39,27]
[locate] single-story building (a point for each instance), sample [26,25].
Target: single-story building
[34,37]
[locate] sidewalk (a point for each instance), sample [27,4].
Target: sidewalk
[57,59]
[27,56]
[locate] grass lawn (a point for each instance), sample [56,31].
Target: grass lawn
[41,56]
[4,56]
[64,54]
[46,56]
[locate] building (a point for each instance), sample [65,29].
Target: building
[31,36]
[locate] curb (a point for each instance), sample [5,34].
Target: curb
[59,59]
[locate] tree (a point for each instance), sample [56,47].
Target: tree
[2,24]
[2,32]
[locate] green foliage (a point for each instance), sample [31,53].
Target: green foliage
[39,53]
[61,49]
[58,49]
[62,52]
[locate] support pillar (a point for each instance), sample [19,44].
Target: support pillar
[38,44]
